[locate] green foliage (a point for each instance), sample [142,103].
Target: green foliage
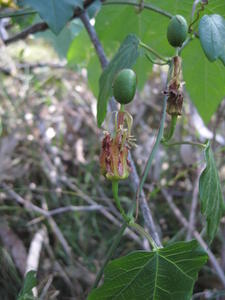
[212,36]
[124,58]
[197,75]
[111,31]
[204,81]
[212,203]
[62,41]
[29,284]
[55,13]
[167,273]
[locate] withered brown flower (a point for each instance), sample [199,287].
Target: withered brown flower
[114,162]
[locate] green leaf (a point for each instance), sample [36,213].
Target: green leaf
[212,203]
[54,12]
[167,273]
[124,58]
[94,72]
[76,54]
[29,284]
[204,81]
[63,40]
[212,36]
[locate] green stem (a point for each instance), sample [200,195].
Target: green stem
[144,233]
[143,5]
[122,107]
[143,45]
[169,135]
[186,143]
[155,146]
[185,43]
[113,247]
[155,62]
[117,200]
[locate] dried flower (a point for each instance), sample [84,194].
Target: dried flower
[114,160]
[175,89]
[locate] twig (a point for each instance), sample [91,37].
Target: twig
[46,288]
[154,150]
[58,232]
[94,38]
[28,66]
[68,208]
[195,233]
[52,212]
[43,212]
[104,211]
[21,201]
[38,27]
[98,48]
[194,204]
[57,266]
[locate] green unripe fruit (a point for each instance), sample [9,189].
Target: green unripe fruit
[177,31]
[124,86]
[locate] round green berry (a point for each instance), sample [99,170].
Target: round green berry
[124,86]
[177,31]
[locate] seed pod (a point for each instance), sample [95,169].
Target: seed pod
[124,86]
[177,31]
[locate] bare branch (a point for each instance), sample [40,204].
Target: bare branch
[38,27]
[94,38]
[194,204]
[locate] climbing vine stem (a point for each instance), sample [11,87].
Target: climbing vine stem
[117,201]
[154,52]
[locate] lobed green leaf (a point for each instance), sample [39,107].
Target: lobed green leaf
[167,273]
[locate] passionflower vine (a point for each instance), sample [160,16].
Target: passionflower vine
[114,162]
